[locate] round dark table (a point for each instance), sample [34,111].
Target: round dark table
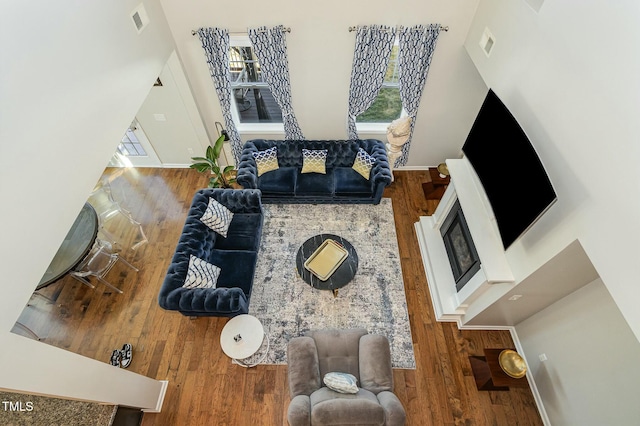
[341,277]
[74,248]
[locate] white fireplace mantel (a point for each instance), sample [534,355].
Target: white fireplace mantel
[450,305]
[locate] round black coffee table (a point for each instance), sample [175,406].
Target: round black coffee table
[341,277]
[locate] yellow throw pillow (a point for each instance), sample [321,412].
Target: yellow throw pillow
[363,163]
[314,160]
[266,160]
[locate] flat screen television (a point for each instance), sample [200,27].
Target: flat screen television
[509,169]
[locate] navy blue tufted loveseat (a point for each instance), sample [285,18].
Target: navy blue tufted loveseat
[235,255]
[341,184]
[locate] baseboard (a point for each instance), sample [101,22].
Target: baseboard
[175,166]
[163,393]
[412,168]
[520,350]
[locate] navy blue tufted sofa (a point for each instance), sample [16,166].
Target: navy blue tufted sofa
[236,255]
[341,184]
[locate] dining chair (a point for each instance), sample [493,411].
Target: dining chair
[98,263]
[28,330]
[108,208]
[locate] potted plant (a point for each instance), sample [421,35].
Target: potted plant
[220,178]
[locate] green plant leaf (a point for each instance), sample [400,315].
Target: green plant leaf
[199,163]
[211,154]
[217,147]
[201,167]
[229,169]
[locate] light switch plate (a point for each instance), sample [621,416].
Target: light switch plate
[487,42]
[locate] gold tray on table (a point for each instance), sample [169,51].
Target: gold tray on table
[326,259]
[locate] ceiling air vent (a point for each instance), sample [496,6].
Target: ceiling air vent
[140,18]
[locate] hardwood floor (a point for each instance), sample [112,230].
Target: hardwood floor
[205,388]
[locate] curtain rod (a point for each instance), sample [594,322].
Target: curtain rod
[287,30]
[351,29]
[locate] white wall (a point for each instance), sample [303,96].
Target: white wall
[320,51]
[591,376]
[182,134]
[569,75]
[73,77]
[565,273]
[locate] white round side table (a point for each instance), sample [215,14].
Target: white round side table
[241,337]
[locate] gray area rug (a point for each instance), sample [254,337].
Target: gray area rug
[375,299]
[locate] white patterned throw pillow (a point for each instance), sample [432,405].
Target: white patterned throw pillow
[266,160]
[363,163]
[313,161]
[201,274]
[217,217]
[341,382]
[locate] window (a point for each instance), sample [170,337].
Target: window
[254,107]
[387,106]
[130,145]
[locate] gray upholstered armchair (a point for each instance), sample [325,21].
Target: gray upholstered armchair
[365,356]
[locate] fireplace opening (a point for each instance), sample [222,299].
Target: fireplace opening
[461,251]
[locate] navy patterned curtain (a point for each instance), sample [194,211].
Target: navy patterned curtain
[215,42]
[416,46]
[370,62]
[270,47]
